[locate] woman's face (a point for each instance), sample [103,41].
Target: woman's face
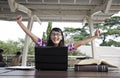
[56,37]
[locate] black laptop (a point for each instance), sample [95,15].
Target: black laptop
[51,58]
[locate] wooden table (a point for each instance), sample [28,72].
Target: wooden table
[5,73]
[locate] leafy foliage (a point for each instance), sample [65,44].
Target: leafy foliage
[110,32]
[11,47]
[46,34]
[75,34]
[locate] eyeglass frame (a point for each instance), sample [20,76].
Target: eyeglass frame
[56,34]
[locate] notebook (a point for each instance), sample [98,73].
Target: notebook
[51,58]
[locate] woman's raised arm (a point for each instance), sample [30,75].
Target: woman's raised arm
[25,29]
[82,42]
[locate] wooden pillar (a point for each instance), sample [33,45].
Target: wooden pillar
[26,44]
[90,22]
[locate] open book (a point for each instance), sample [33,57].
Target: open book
[96,62]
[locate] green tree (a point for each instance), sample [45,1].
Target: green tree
[75,34]
[46,34]
[11,47]
[110,32]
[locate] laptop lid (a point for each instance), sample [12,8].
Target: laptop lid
[51,58]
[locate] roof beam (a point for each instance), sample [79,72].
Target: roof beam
[95,10]
[90,1]
[35,17]
[107,6]
[23,9]
[103,7]
[13,6]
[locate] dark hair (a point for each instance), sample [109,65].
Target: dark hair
[18,53]
[50,43]
[1,50]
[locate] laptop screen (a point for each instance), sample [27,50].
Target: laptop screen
[51,58]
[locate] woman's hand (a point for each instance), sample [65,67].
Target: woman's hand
[97,33]
[19,18]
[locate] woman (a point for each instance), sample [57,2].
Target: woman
[16,60]
[2,60]
[56,37]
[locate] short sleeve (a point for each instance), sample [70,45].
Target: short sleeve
[40,43]
[70,47]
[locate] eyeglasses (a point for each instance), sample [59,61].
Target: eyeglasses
[55,34]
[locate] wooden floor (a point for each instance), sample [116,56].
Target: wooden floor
[5,73]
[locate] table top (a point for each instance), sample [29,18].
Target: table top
[4,73]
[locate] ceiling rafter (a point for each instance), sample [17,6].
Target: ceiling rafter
[107,6]
[13,6]
[59,10]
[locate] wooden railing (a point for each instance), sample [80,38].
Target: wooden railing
[71,59]
[31,62]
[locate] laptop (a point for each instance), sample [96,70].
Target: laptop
[51,58]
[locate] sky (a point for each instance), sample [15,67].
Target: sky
[11,31]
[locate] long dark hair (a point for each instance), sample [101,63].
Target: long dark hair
[50,43]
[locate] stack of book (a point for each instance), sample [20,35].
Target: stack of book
[93,65]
